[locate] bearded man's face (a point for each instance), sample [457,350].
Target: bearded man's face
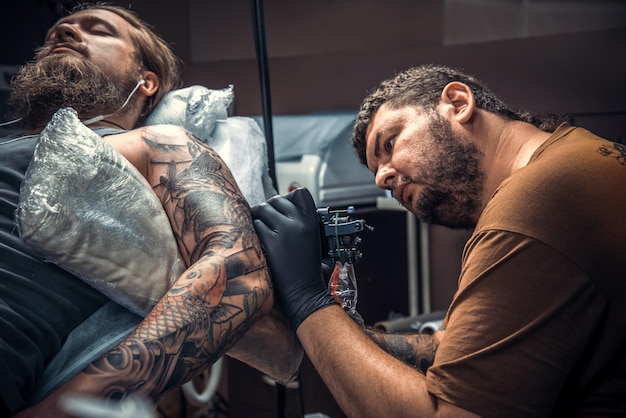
[55,81]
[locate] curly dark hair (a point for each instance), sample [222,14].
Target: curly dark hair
[421,86]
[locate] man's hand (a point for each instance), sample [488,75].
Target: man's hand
[288,228]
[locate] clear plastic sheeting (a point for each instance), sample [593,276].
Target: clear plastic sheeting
[238,140]
[197,108]
[343,287]
[241,144]
[86,208]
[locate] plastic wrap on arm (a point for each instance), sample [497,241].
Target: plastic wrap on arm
[196,108]
[86,208]
[238,140]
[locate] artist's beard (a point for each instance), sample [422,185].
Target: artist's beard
[453,196]
[56,81]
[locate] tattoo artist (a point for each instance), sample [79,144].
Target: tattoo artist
[537,327]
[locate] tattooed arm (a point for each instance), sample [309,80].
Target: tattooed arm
[213,303]
[416,350]
[270,345]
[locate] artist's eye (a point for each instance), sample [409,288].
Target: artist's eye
[389,143]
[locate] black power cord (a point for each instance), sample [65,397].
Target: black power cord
[258,21]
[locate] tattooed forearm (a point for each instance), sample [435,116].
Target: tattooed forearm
[190,328]
[416,350]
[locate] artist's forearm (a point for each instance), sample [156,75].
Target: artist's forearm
[417,350]
[361,377]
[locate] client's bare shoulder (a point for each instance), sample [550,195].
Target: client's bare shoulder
[141,145]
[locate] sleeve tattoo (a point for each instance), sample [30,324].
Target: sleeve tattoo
[224,290]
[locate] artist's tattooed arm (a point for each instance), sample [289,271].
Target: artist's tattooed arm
[416,350]
[215,301]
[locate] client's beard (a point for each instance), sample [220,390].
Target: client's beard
[41,88]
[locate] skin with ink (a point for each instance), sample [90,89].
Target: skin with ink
[206,211]
[416,350]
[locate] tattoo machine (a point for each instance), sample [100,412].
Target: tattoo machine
[339,233]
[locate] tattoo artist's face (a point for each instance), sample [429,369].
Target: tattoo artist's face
[431,170]
[87,63]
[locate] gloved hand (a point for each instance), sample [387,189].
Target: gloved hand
[327,270]
[288,228]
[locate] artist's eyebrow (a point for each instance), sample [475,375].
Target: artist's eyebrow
[376,144]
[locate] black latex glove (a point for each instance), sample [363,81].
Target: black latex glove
[288,228]
[327,270]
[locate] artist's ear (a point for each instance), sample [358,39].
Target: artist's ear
[461,99]
[151,83]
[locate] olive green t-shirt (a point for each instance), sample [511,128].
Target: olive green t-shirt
[538,325]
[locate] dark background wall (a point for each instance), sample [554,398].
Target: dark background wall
[561,56]
[545,56]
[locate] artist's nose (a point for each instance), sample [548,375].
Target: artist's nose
[385,175]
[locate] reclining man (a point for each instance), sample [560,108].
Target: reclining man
[93,60]
[537,327]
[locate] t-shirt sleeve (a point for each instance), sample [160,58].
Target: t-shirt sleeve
[515,328]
